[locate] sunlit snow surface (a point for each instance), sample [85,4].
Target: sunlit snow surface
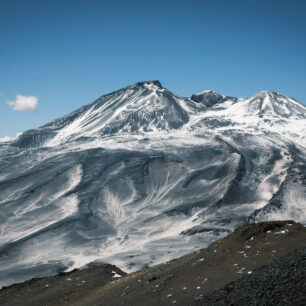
[142,176]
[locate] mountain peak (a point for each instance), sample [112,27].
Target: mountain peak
[274,104]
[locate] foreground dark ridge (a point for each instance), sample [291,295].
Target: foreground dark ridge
[244,262]
[282,282]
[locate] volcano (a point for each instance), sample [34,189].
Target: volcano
[141,176]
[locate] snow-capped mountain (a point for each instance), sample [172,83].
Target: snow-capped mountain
[141,176]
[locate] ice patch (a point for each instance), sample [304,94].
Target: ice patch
[116,275]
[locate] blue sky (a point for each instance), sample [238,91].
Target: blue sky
[66,53]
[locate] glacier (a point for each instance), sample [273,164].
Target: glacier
[141,176]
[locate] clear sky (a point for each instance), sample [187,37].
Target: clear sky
[66,53]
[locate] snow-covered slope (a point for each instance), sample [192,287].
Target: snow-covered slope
[142,175]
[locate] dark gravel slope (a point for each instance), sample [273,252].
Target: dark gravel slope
[282,282]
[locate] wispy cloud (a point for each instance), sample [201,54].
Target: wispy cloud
[8,138]
[24,103]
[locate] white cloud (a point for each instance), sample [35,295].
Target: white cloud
[24,103]
[6,139]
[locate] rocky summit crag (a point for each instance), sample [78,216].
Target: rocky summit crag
[142,176]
